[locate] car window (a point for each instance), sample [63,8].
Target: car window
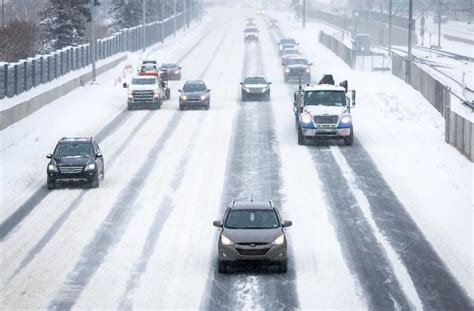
[251,30]
[288,41]
[296,61]
[194,87]
[255,80]
[144,81]
[169,65]
[74,149]
[252,219]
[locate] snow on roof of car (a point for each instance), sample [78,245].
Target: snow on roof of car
[324,87]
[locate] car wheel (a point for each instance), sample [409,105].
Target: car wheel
[283,266]
[221,266]
[349,140]
[95,182]
[129,106]
[301,138]
[51,185]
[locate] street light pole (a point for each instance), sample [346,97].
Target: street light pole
[143,23]
[410,27]
[174,18]
[389,27]
[93,40]
[304,13]
[439,24]
[162,20]
[3,13]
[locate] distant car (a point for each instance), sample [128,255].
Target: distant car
[285,42]
[361,44]
[251,22]
[75,160]
[260,11]
[255,87]
[171,70]
[273,23]
[252,232]
[148,70]
[286,53]
[251,34]
[194,94]
[296,68]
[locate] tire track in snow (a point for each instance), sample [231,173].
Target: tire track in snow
[436,286]
[7,226]
[253,168]
[114,225]
[360,248]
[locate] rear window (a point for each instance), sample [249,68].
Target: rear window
[252,219]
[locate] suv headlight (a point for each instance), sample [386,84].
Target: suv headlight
[280,240]
[52,168]
[306,118]
[203,97]
[130,93]
[287,70]
[225,240]
[90,167]
[308,70]
[183,97]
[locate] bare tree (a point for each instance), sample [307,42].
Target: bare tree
[19,41]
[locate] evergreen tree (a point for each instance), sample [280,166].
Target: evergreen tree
[64,23]
[127,13]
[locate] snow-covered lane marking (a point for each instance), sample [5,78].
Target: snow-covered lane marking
[399,269]
[409,243]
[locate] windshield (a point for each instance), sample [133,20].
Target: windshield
[325,98]
[194,87]
[148,68]
[74,149]
[255,80]
[251,30]
[288,41]
[252,219]
[169,66]
[144,81]
[296,61]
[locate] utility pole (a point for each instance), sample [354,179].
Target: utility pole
[174,18]
[410,27]
[144,23]
[3,13]
[304,13]
[389,27]
[369,17]
[439,23]
[184,14]
[93,40]
[162,20]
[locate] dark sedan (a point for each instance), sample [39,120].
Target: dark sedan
[171,71]
[252,232]
[194,94]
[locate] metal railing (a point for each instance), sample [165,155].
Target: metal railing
[19,77]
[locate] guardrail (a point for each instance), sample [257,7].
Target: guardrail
[338,48]
[16,78]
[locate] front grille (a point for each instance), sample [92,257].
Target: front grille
[70,169]
[326,119]
[253,243]
[255,90]
[252,252]
[326,133]
[143,96]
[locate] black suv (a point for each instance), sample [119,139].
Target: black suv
[252,232]
[75,160]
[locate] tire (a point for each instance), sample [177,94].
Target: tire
[51,185]
[95,182]
[301,138]
[221,266]
[349,140]
[181,107]
[129,106]
[283,266]
[207,106]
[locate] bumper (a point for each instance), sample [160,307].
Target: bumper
[250,38]
[83,177]
[239,254]
[194,103]
[143,104]
[329,133]
[255,95]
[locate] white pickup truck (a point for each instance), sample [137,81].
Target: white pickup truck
[146,92]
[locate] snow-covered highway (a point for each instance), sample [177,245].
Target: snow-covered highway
[385,224]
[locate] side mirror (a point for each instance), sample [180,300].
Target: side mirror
[49,156]
[179,67]
[269,83]
[217,223]
[287,223]
[180,90]
[353,98]
[125,85]
[208,90]
[241,83]
[310,64]
[99,155]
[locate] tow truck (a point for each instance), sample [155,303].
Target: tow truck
[323,111]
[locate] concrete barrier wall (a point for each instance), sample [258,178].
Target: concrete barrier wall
[460,134]
[26,108]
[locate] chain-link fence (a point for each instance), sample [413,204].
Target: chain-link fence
[459,131]
[16,78]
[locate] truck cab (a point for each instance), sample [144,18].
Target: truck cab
[323,111]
